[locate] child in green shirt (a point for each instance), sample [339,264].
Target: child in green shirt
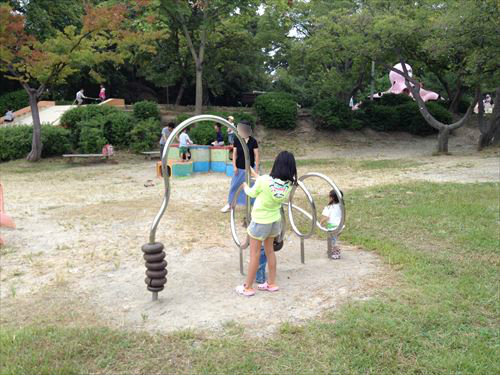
[270,192]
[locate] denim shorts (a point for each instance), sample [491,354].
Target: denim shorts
[262,231]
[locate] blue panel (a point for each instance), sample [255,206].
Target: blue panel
[218,166]
[201,166]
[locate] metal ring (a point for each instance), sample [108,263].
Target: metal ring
[233,216]
[340,227]
[164,161]
[291,205]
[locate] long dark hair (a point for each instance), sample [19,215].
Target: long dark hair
[333,198]
[284,167]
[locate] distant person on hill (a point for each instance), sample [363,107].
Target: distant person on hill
[9,116]
[102,93]
[80,95]
[165,133]
[219,140]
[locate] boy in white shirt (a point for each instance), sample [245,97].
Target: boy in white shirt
[184,142]
[332,215]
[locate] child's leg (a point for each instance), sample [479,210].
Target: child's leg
[260,277]
[254,261]
[271,260]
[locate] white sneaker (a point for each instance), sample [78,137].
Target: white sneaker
[226,208]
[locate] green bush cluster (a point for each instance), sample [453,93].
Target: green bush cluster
[112,124]
[389,113]
[332,114]
[203,133]
[146,109]
[13,100]
[145,135]
[15,141]
[277,110]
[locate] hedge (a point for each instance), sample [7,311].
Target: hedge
[145,135]
[333,114]
[277,110]
[15,141]
[13,100]
[146,109]
[203,133]
[91,139]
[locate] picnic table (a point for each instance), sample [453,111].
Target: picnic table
[71,157]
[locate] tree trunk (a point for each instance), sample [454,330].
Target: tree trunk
[442,148]
[199,89]
[36,144]
[455,102]
[490,132]
[180,93]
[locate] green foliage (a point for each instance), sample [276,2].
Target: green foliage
[91,138]
[13,100]
[55,141]
[394,99]
[117,128]
[15,141]
[204,133]
[333,114]
[277,110]
[146,109]
[145,135]
[380,117]
[181,117]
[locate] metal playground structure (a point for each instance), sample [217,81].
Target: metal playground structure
[154,254]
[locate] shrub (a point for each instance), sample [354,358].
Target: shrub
[181,117]
[240,116]
[55,140]
[91,139]
[146,109]
[73,116]
[15,142]
[332,114]
[145,135]
[393,99]
[13,100]
[117,127]
[381,117]
[276,110]
[203,133]
[412,121]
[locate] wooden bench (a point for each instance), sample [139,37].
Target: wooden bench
[71,157]
[151,154]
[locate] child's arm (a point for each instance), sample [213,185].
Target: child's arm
[323,219]
[253,191]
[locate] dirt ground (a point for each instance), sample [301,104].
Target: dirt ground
[80,229]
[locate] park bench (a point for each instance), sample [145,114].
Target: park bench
[151,154]
[71,157]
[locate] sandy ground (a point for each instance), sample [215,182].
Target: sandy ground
[80,228]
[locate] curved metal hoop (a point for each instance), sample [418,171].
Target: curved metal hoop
[291,206]
[164,162]
[340,227]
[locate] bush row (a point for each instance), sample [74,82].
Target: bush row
[390,113]
[203,133]
[13,100]
[15,141]
[276,110]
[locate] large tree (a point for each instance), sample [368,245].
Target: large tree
[198,20]
[37,64]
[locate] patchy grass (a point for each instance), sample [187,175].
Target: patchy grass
[441,317]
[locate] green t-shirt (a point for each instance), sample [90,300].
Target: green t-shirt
[270,193]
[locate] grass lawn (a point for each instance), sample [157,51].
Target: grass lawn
[440,317]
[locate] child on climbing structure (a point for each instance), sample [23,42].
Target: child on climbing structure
[332,215]
[270,192]
[184,142]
